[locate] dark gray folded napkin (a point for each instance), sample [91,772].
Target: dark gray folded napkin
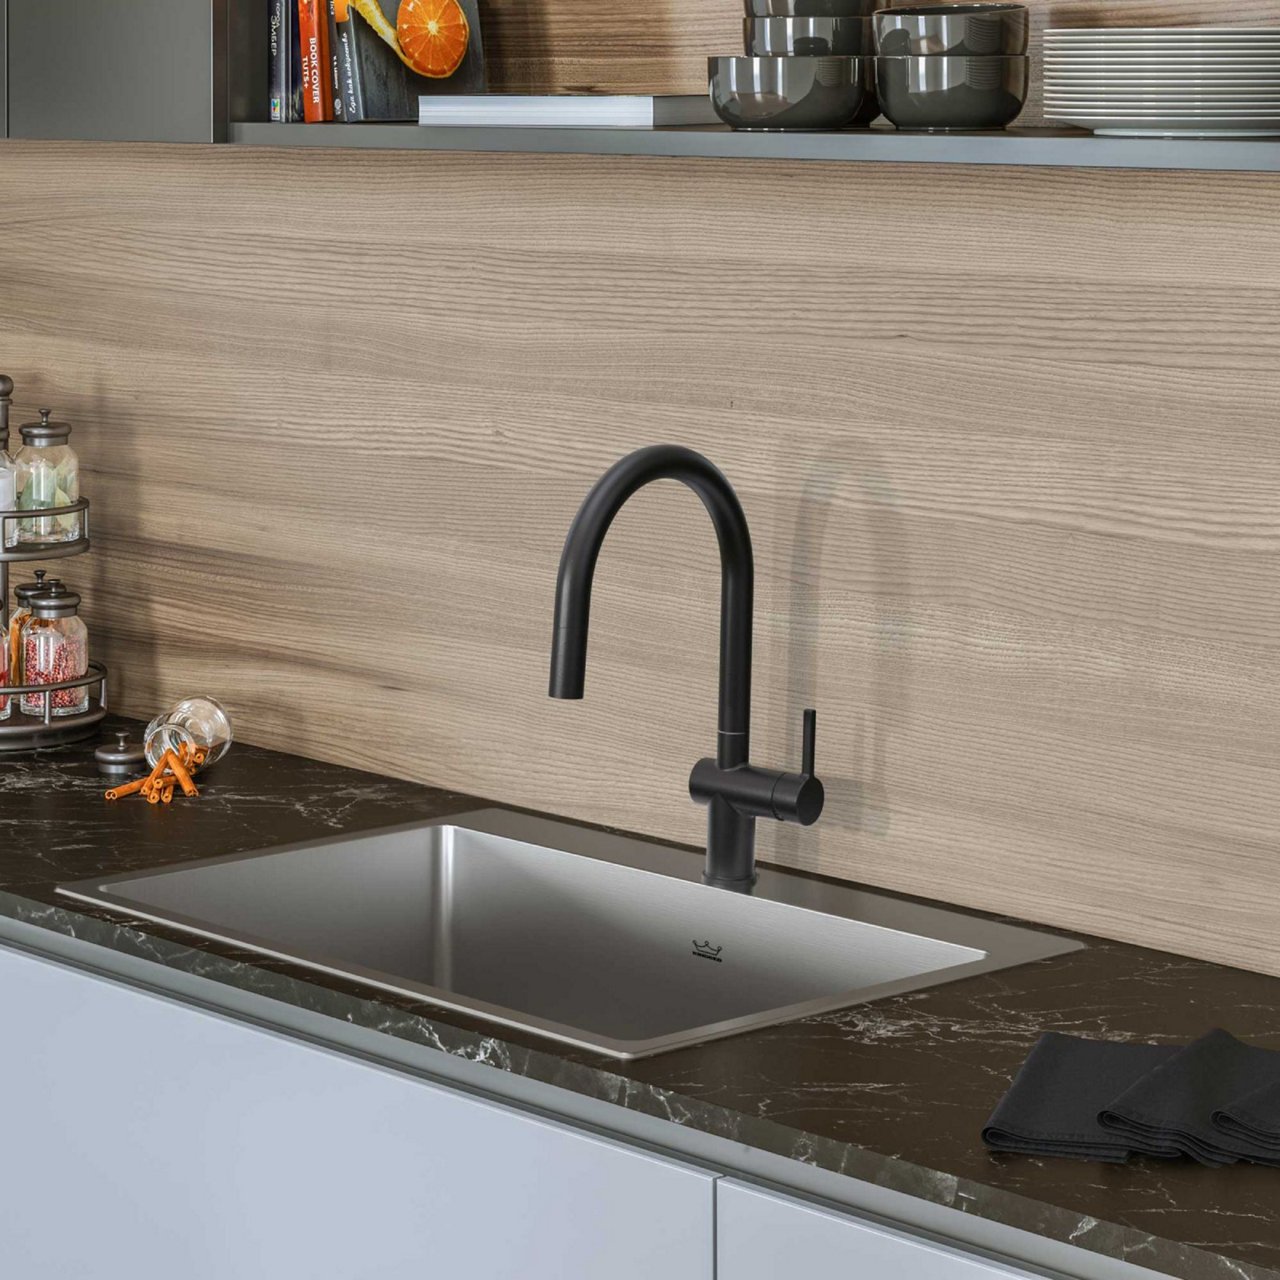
[1174,1104]
[1053,1105]
[1254,1119]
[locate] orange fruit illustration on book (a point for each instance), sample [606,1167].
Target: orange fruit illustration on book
[430,36]
[433,35]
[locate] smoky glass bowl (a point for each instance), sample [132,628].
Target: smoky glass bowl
[807,37]
[788,93]
[953,93]
[933,30]
[812,8]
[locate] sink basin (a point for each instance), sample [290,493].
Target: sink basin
[601,941]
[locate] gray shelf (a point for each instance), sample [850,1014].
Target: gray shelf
[1067,147]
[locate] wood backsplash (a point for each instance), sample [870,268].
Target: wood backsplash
[1007,440]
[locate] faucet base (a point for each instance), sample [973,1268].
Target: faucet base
[733,886]
[731,846]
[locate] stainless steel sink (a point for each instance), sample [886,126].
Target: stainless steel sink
[601,941]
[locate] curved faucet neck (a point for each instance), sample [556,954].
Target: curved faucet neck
[737,581]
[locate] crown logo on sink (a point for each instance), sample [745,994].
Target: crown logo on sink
[705,951]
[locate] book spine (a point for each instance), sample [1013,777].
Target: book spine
[313,33]
[278,60]
[293,47]
[346,57]
[334,72]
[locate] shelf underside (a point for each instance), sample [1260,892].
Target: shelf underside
[1060,147]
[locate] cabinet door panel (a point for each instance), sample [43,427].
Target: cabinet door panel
[4,68]
[761,1236]
[144,1139]
[141,71]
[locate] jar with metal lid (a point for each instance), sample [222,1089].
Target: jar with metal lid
[22,594]
[6,702]
[48,476]
[199,724]
[8,468]
[55,647]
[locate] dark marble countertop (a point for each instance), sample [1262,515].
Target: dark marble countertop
[893,1093]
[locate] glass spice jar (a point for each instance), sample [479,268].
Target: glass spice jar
[55,647]
[8,500]
[48,476]
[8,469]
[6,707]
[198,723]
[22,594]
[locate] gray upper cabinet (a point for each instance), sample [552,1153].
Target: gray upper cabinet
[132,70]
[4,69]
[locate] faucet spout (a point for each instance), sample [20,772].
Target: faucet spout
[735,792]
[737,581]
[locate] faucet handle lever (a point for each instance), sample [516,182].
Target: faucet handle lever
[765,793]
[799,797]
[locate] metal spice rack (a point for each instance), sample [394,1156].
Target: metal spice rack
[22,732]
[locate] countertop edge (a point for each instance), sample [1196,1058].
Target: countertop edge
[599,1084]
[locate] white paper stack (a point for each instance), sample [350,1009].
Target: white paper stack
[566,111]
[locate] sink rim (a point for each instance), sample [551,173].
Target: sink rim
[1003,945]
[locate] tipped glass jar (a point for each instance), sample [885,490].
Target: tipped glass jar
[55,648]
[48,476]
[199,724]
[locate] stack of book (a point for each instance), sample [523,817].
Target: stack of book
[567,111]
[355,60]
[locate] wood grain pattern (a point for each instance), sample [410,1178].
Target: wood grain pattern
[619,46]
[1006,439]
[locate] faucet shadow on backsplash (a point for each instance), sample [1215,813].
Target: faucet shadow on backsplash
[871,533]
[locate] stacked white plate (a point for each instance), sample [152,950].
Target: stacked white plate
[1149,82]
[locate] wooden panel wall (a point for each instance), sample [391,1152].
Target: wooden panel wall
[1007,440]
[621,46]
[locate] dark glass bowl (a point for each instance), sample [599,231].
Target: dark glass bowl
[812,8]
[789,93]
[951,94]
[932,30]
[807,37]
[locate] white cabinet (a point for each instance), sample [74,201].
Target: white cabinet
[761,1236]
[142,1139]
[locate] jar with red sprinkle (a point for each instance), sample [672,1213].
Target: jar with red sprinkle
[6,709]
[55,647]
[18,619]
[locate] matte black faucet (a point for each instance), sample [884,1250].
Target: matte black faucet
[735,791]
